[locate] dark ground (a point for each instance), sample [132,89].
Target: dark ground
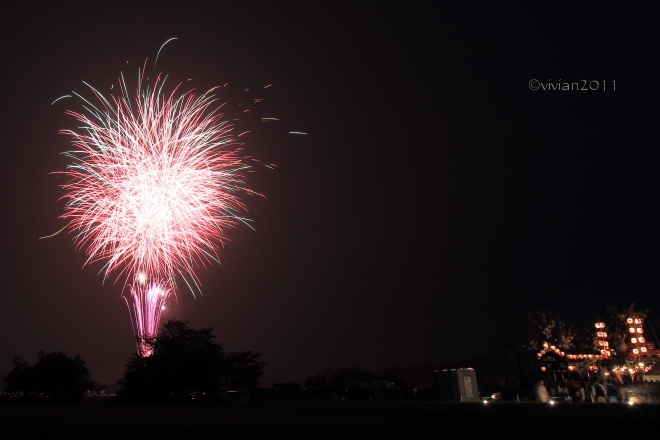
[381,420]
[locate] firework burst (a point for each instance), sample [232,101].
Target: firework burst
[154,185]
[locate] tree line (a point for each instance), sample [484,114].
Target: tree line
[413,375]
[185,362]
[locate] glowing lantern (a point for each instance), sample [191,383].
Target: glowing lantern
[632,329]
[641,339]
[635,351]
[633,340]
[643,349]
[640,330]
[629,320]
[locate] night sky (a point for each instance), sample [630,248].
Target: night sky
[434,205]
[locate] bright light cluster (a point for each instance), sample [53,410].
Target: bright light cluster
[602,344]
[154,183]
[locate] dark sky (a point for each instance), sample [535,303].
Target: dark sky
[436,203]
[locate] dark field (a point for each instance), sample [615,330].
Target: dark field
[353,420]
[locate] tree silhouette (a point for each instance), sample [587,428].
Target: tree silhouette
[244,369]
[315,381]
[551,329]
[56,377]
[186,362]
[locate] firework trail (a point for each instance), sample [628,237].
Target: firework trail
[153,187]
[146,301]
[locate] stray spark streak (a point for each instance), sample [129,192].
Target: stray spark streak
[153,187]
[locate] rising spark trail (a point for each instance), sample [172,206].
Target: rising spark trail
[146,300]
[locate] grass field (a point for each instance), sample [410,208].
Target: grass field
[353,420]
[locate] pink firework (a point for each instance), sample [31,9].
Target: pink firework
[146,301]
[155,183]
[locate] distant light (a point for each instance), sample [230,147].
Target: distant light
[297,132]
[485,401]
[551,402]
[630,402]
